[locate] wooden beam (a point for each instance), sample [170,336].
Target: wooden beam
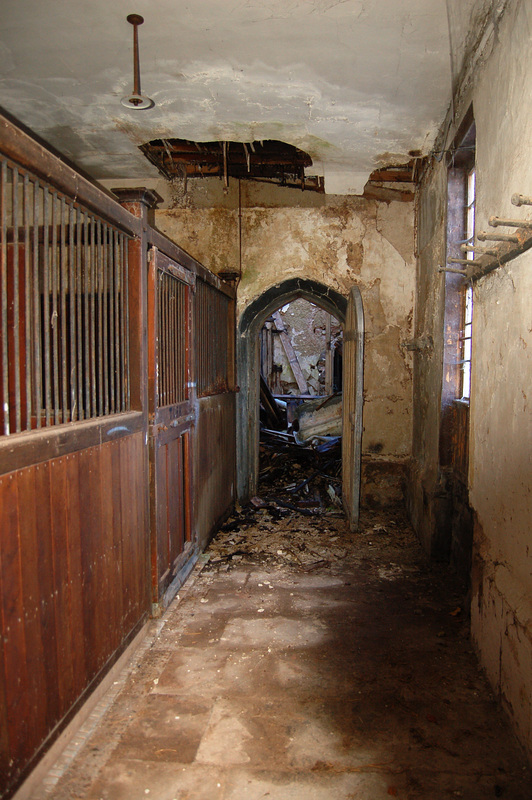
[290,353]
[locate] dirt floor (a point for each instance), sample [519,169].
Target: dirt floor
[302,662]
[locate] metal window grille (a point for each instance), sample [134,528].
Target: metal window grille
[63,308]
[212,340]
[172,325]
[467,300]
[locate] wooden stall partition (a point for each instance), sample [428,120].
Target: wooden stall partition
[171,399]
[215,454]
[74,556]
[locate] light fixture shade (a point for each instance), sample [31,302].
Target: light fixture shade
[137,102]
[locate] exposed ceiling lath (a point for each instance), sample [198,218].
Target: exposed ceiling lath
[269,160]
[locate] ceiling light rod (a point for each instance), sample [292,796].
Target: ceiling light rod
[136,100]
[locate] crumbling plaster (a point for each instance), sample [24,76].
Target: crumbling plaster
[500,436]
[343,242]
[501,419]
[346,80]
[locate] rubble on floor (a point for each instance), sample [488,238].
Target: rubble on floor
[303,662]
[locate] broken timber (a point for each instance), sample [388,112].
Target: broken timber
[290,353]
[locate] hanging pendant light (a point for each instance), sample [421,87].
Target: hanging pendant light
[136,101]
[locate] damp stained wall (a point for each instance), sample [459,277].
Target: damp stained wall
[339,242]
[500,436]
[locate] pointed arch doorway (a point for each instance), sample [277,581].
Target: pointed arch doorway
[349,312]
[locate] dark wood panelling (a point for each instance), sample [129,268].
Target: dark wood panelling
[73,554]
[214,462]
[28,448]
[14,633]
[45,580]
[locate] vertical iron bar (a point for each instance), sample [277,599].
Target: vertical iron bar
[73,375]
[87,327]
[118,364]
[123,312]
[164,297]
[173,340]
[183,310]
[27,299]
[105,335]
[111,235]
[99,283]
[16,302]
[121,321]
[125,302]
[63,283]
[47,307]
[159,342]
[55,315]
[3,267]
[37,341]
[79,316]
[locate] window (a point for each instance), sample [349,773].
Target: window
[467,295]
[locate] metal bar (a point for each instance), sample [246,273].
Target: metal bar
[46,309]
[172,300]
[86,321]
[27,299]
[170,335]
[118,364]
[481,251]
[105,336]
[122,340]
[125,305]
[55,316]
[99,283]
[159,351]
[483,236]
[93,261]
[79,316]
[456,271]
[3,268]
[16,303]
[37,340]
[31,155]
[73,375]
[63,283]
[162,334]
[184,377]
[521,200]
[175,342]
[111,331]
[495,222]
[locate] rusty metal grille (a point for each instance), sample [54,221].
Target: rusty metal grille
[172,326]
[212,340]
[63,308]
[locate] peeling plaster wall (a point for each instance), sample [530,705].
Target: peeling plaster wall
[500,461]
[340,243]
[427,502]
[501,409]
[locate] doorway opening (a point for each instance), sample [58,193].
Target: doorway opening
[300,459]
[348,313]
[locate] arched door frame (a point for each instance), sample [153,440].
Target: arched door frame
[248,365]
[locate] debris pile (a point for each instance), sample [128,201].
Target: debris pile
[297,517]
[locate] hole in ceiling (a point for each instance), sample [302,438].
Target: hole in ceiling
[268,160]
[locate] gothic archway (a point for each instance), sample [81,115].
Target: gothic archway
[249,326]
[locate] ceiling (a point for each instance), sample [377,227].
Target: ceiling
[357,84]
